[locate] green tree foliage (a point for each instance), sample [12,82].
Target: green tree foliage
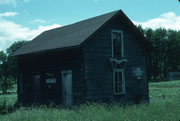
[3,68]
[15,46]
[165,57]
[8,67]
[12,61]
[2,57]
[141,29]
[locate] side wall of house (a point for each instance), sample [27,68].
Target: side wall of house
[98,70]
[50,62]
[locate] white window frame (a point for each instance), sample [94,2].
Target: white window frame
[122,42]
[123,91]
[123,81]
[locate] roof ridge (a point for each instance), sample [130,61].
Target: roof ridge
[84,20]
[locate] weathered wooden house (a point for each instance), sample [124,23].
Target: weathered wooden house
[98,59]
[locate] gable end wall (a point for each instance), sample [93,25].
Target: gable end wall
[98,72]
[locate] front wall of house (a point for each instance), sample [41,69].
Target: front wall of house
[54,63]
[98,70]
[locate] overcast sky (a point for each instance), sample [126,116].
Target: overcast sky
[25,19]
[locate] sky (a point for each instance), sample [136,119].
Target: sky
[25,19]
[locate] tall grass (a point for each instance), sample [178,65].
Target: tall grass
[7,103]
[100,112]
[165,106]
[9,98]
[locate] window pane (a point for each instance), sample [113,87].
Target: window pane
[117,45]
[118,82]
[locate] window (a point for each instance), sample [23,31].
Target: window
[50,78]
[117,44]
[119,84]
[117,55]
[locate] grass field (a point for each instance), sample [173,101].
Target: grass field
[164,106]
[9,98]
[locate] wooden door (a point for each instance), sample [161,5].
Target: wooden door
[37,88]
[67,88]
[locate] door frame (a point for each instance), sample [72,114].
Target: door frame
[64,102]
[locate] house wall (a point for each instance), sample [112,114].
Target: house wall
[91,68]
[50,62]
[98,71]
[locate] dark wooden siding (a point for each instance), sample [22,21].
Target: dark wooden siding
[98,72]
[91,67]
[97,67]
[51,62]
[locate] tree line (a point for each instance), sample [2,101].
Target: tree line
[164,57]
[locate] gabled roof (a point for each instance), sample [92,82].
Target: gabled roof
[68,36]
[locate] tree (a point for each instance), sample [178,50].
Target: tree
[3,71]
[141,29]
[2,57]
[173,50]
[149,57]
[15,46]
[160,40]
[8,67]
[12,61]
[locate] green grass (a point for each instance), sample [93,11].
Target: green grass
[7,103]
[9,98]
[164,91]
[165,106]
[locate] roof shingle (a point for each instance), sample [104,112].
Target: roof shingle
[67,36]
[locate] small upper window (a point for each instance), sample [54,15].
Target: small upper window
[117,44]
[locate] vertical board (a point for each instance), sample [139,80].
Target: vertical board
[67,88]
